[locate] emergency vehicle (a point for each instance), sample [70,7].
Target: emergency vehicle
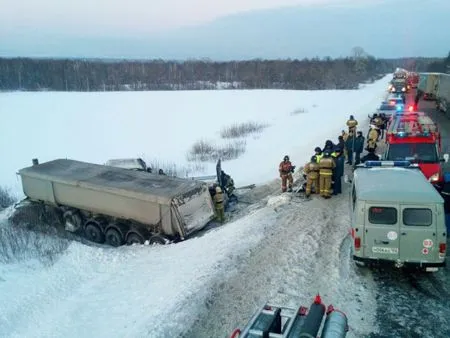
[397,217]
[414,137]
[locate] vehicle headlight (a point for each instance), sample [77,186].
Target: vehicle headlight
[403,89]
[434,178]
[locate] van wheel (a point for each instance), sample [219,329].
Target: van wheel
[158,239]
[134,238]
[93,233]
[113,237]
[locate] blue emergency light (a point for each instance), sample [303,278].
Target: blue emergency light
[387,163]
[399,107]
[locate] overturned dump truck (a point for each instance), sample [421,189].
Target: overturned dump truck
[116,205]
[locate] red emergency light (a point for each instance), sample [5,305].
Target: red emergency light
[411,108]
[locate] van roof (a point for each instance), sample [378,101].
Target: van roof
[394,184]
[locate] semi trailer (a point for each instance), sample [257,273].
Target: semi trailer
[116,205]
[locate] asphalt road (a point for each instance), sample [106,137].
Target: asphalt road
[412,304]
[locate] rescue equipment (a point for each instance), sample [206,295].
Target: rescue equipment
[284,322]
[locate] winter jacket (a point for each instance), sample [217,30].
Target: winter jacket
[370,157]
[359,144]
[349,143]
[339,169]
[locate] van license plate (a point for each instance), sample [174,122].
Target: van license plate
[431,269]
[384,250]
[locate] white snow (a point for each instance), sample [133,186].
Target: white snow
[280,247]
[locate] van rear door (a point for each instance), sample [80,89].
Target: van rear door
[381,240]
[418,233]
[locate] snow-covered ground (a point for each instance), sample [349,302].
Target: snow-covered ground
[282,249]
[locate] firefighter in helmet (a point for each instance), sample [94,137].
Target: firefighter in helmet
[218,203]
[351,124]
[286,169]
[311,170]
[326,166]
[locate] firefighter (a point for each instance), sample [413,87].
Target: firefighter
[161,172]
[345,137]
[311,170]
[351,124]
[350,146]
[286,169]
[326,166]
[318,153]
[373,133]
[218,203]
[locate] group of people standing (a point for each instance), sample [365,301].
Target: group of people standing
[323,173]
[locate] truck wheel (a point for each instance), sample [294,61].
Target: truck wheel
[158,239]
[113,237]
[134,238]
[72,221]
[93,233]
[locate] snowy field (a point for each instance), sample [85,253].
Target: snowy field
[271,253]
[95,127]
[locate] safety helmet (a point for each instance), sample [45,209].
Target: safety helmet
[286,158]
[317,150]
[218,189]
[352,117]
[314,159]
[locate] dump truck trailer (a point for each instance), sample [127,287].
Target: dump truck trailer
[428,84]
[443,94]
[116,205]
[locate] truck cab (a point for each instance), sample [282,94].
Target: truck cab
[397,217]
[414,137]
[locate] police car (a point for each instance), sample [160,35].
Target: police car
[397,217]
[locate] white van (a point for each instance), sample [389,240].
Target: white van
[397,217]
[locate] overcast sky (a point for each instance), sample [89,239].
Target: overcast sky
[124,16]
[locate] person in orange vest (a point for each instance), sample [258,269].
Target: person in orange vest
[286,169]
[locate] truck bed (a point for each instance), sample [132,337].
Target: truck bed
[152,187]
[176,206]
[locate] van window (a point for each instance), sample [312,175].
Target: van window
[382,215]
[417,217]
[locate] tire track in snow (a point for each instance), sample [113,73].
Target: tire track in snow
[305,253]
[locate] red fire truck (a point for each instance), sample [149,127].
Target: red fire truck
[414,137]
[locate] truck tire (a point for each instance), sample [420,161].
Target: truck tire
[158,239]
[72,221]
[93,233]
[113,237]
[134,238]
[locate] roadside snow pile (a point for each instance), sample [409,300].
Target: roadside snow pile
[87,291]
[276,201]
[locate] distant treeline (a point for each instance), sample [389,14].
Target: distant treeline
[31,74]
[440,66]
